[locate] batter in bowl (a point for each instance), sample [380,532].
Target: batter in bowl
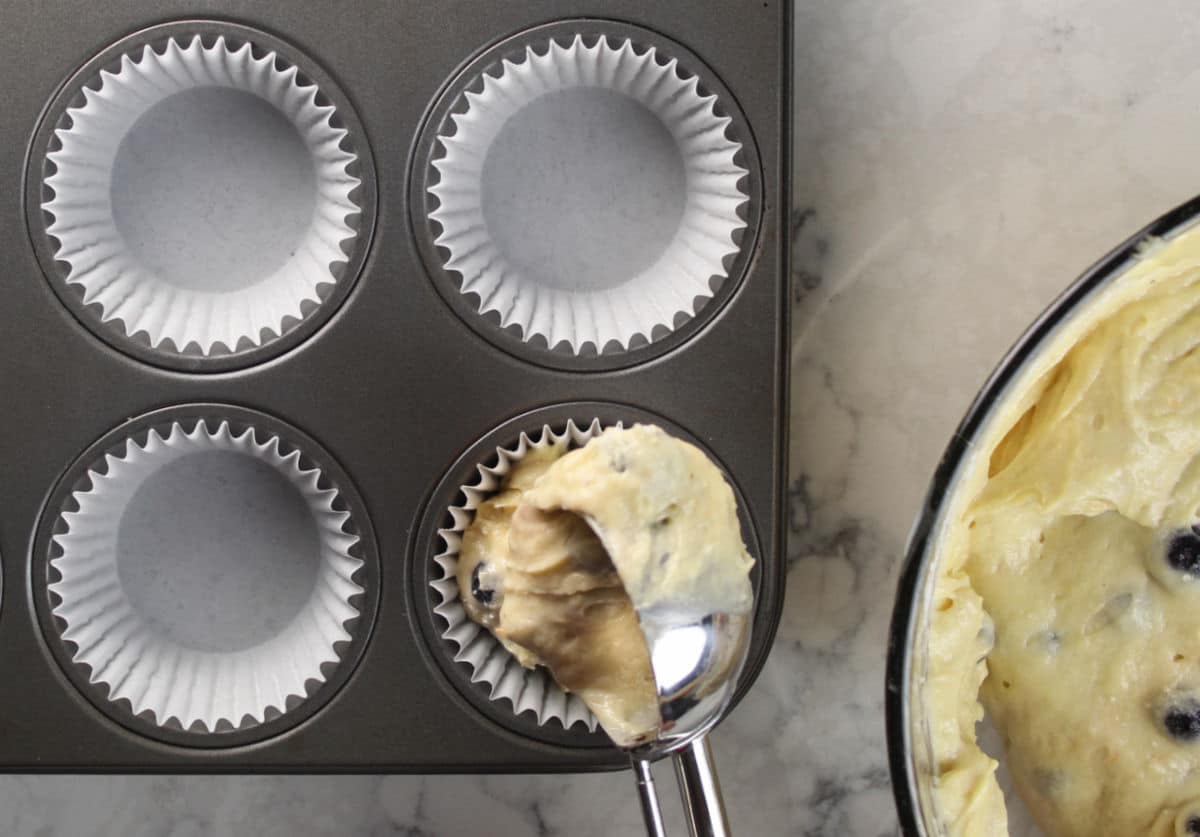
[559,563]
[1071,561]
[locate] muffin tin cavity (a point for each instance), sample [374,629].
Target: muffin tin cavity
[586,193]
[201,196]
[527,701]
[490,664]
[203,574]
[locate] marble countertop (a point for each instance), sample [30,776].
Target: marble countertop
[956,165]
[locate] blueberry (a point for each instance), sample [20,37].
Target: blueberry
[1193,824]
[1183,553]
[482,594]
[1182,719]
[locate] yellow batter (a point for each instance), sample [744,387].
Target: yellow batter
[534,572]
[1072,529]
[543,584]
[665,514]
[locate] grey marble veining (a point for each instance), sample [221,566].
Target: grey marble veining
[956,165]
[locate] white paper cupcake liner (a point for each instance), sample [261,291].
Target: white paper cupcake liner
[197,690]
[139,301]
[644,305]
[526,690]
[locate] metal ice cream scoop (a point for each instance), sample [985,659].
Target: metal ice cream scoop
[696,663]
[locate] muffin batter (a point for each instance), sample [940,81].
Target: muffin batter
[1077,529]
[532,570]
[665,514]
[544,586]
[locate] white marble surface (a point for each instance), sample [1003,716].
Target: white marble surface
[956,165]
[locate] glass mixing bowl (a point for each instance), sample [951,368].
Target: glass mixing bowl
[909,746]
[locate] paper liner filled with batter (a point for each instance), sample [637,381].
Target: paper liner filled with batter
[546,216]
[169,295]
[187,629]
[526,690]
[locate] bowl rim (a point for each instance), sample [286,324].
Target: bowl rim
[916,562]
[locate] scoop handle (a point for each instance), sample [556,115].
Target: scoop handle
[648,796]
[703,807]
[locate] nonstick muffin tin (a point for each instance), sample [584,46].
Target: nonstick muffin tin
[280,286]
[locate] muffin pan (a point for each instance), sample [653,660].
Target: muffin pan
[287,289]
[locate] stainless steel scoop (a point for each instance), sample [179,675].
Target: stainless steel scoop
[696,658]
[696,663]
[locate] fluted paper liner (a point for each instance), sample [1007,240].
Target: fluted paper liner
[178,684]
[526,690]
[643,304]
[128,293]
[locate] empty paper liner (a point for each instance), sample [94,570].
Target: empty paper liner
[200,199]
[205,575]
[588,192]
[525,690]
